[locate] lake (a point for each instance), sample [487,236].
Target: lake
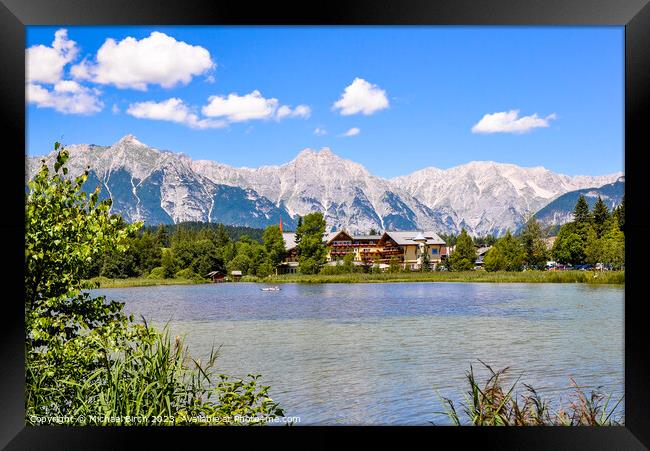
[384,353]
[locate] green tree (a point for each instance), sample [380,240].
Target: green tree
[619,214]
[274,244]
[534,247]
[221,237]
[593,247]
[613,246]
[426,261]
[394,265]
[348,262]
[513,252]
[168,264]
[494,260]
[311,249]
[507,254]
[84,357]
[463,257]
[569,246]
[581,213]
[600,217]
[241,262]
[373,231]
[298,234]
[65,229]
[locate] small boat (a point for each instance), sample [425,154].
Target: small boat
[270,289]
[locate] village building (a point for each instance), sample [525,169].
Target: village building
[409,249]
[217,276]
[481,252]
[290,263]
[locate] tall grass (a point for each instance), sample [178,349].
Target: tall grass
[496,405]
[155,381]
[589,277]
[105,282]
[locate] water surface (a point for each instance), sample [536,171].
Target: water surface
[383,353]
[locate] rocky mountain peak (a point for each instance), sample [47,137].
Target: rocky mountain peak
[130,140]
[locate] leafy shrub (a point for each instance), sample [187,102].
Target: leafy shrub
[158,380]
[187,273]
[157,273]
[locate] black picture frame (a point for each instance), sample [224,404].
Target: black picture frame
[633,14]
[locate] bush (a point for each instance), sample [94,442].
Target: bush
[157,273]
[160,382]
[187,273]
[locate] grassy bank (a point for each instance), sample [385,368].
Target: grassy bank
[105,282]
[591,277]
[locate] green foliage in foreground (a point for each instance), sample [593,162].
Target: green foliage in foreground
[84,356]
[590,277]
[309,236]
[156,381]
[495,405]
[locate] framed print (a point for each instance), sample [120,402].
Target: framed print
[365,215]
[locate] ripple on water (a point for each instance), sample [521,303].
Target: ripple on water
[383,353]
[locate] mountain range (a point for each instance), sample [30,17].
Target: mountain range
[560,211]
[160,186]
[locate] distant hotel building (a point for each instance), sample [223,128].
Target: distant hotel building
[408,249]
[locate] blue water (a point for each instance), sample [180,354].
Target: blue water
[385,353]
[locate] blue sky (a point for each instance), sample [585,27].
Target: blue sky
[416,96]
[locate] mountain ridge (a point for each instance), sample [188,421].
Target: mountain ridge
[482,196]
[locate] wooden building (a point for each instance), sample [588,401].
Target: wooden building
[217,276]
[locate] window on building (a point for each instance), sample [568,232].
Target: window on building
[434,251]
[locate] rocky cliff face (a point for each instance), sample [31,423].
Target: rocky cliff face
[158,186]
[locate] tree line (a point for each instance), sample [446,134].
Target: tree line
[592,237]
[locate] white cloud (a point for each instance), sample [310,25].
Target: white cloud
[361,97]
[236,108]
[67,97]
[173,110]
[510,122]
[352,132]
[115,109]
[320,131]
[45,64]
[302,111]
[157,59]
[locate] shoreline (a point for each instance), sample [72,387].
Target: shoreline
[587,277]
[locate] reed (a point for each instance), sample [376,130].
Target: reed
[155,381]
[588,277]
[494,404]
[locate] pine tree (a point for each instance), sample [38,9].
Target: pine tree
[581,212]
[600,217]
[464,256]
[534,247]
[619,213]
[298,235]
[221,237]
